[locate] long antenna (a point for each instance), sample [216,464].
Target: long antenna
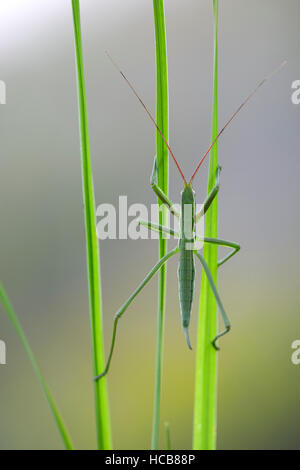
[233,116]
[149,114]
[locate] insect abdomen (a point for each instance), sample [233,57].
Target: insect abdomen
[186,278]
[186,270]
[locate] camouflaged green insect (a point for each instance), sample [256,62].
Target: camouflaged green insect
[187,236]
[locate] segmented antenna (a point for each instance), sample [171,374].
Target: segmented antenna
[149,114]
[233,116]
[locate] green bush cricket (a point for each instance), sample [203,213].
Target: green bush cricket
[187,236]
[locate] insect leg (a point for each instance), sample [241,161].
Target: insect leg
[128,302]
[211,196]
[219,242]
[162,196]
[158,228]
[217,297]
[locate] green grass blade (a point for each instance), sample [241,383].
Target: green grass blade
[168,437]
[93,264]
[18,328]
[205,406]
[162,118]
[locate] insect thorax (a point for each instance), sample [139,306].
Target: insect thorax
[187,215]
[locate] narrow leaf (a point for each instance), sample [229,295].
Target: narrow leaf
[19,330]
[93,263]
[205,405]
[162,118]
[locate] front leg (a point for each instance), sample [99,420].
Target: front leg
[158,228]
[211,196]
[160,194]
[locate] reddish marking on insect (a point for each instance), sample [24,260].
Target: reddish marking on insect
[219,134]
[233,116]
[150,116]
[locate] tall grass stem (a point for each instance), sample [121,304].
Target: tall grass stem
[93,263]
[162,118]
[205,404]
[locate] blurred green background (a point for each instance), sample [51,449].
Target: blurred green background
[42,248]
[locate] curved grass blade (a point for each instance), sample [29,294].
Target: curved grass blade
[205,405]
[162,119]
[93,264]
[19,330]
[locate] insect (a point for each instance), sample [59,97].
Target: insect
[187,236]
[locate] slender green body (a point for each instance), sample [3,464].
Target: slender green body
[187,236]
[186,248]
[187,251]
[186,269]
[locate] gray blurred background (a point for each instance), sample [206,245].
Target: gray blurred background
[42,249]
